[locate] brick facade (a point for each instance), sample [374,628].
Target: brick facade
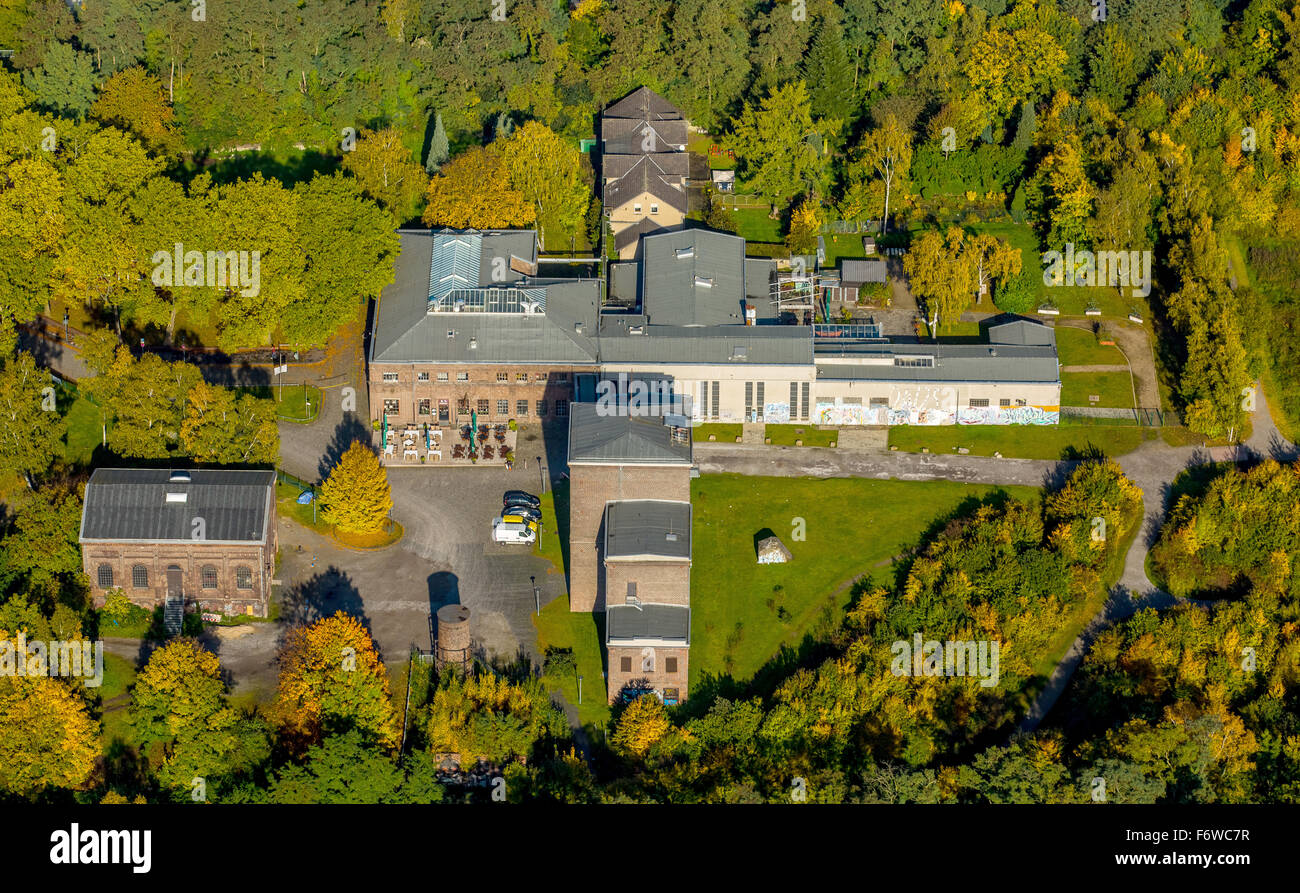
[226,559]
[449,403]
[648,668]
[590,487]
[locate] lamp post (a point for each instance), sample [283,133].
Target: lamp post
[541,473]
[579,689]
[537,593]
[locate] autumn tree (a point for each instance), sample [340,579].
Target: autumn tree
[31,427]
[331,680]
[356,497]
[489,717]
[642,725]
[886,151]
[474,191]
[805,223]
[134,100]
[47,736]
[940,270]
[547,170]
[386,171]
[221,428]
[994,259]
[782,149]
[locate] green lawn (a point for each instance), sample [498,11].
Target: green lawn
[119,676]
[1080,347]
[293,402]
[755,226]
[724,433]
[743,613]
[581,632]
[84,432]
[843,245]
[786,435]
[1114,388]
[1020,441]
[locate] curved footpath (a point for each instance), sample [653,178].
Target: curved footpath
[1152,467]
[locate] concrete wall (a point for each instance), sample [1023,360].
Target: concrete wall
[851,402]
[731,380]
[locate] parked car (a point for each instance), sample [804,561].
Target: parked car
[504,531]
[519,497]
[518,508]
[509,518]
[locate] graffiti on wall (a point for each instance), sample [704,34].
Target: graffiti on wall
[776,413]
[845,414]
[1011,415]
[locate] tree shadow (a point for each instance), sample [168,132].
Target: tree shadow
[302,165]
[321,596]
[348,431]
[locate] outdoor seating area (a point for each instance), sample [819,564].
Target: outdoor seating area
[425,444]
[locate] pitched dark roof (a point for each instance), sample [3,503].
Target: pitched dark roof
[632,623]
[1008,329]
[601,438]
[648,528]
[670,165]
[644,177]
[133,504]
[644,104]
[629,236]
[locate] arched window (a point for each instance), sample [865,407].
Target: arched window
[105,576]
[243,578]
[140,576]
[208,576]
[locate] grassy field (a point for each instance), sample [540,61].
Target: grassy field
[84,433]
[786,435]
[293,402]
[1114,388]
[755,226]
[1079,347]
[743,613]
[1021,441]
[119,676]
[581,633]
[843,245]
[724,433]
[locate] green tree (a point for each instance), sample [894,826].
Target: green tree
[439,151]
[384,169]
[886,151]
[781,147]
[829,75]
[221,428]
[344,769]
[31,427]
[65,81]
[547,170]
[134,100]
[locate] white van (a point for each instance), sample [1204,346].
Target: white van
[509,532]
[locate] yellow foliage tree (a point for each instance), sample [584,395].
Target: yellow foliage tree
[356,497]
[474,190]
[331,679]
[643,725]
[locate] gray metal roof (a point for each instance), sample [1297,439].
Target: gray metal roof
[767,345]
[693,277]
[599,438]
[648,528]
[133,504]
[856,271]
[632,623]
[1021,331]
[672,166]
[952,362]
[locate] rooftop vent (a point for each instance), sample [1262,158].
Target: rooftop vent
[636,330]
[704,281]
[671,537]
[739,352]
[473,344]
[178,497]
[179,477]
[683,253]
[450,334]
[577,328]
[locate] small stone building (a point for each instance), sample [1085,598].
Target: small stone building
[203,538]
[648,648]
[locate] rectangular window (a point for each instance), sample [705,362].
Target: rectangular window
[979,401]
[482,407]
[794,399]
[462,376]
[105,576]
[140,577]
[749,400]
[717,408]
[625,664]
[422,408]
[422,376]
[631,590]
[208,577]
[559,376]
[541,407]
[561,408]
[442,376]
[1004,402]
[390,376]
[670,665]
[521,377]
[462,406]
[392,407]
[654,209]
[521,408]
[636,209]
[803,409]
[503,407]
[761,402]
[503,376]
[879,402]
[1020,401]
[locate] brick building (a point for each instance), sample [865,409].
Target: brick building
[203,538]
[647,570]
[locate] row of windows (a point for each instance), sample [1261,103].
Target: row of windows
[207,577]
[647,664]
[424,407]
[502,377]
[1004,402]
